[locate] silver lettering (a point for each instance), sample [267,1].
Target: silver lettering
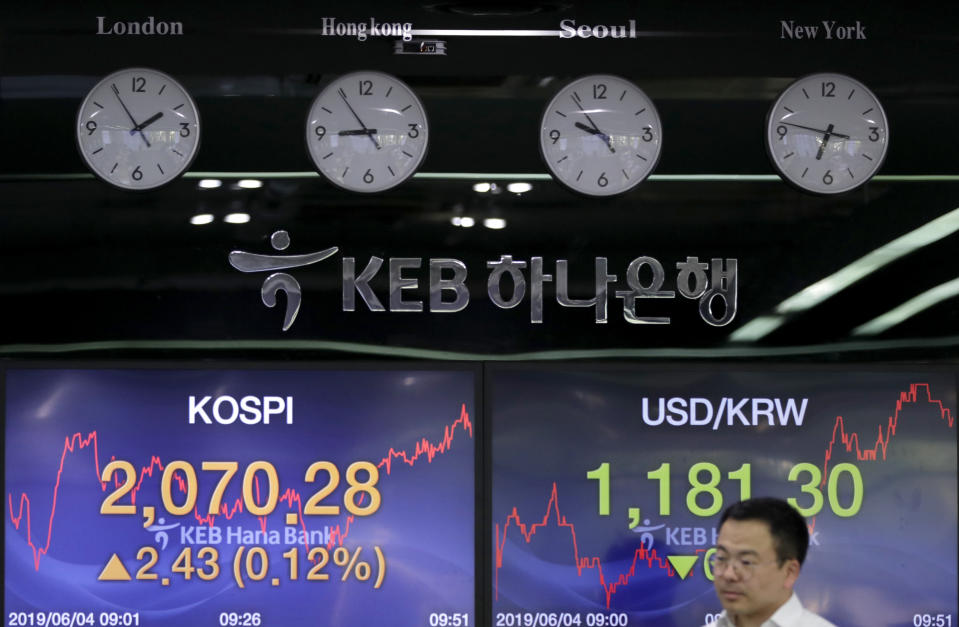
[455,284]
[398,283]
[352,283]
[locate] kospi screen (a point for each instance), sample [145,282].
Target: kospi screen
[239,497]
[607,486]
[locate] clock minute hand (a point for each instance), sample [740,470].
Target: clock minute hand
[368,134]
[818,130]
[595,128]
[129,115]
[359,131]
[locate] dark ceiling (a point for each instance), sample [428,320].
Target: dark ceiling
[86,269]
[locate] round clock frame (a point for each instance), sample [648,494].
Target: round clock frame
[138,129]
[367,132]
[827,133]
[600,135]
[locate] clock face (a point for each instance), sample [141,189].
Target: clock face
[367,132]
[601,135]
[138,129]
[827,133]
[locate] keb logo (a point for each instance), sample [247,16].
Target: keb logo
[253,262]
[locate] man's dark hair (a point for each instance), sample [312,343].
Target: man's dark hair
[787,526]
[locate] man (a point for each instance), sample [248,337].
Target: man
[760,549]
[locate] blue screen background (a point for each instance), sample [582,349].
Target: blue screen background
[424,527]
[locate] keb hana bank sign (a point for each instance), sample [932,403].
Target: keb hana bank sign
[535,280]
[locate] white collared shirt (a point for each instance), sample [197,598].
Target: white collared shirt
[790,614]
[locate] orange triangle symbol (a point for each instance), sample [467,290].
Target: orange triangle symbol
[114,571]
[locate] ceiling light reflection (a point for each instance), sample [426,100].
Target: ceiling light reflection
[250,183]
[210,183]
[926,234]
[929,233]
[463,221]
[519,188]
[201,219]
[237,218]
[910,308]
[494,223]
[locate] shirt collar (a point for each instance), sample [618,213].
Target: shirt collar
[787,615]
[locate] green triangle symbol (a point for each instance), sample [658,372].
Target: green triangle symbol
[682,564]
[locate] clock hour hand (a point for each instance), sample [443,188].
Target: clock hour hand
[817,130]
[129,115]
[825,138]
[368,134]
[595,130]
[358,131]
[146,123]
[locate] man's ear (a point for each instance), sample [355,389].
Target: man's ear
[792,573]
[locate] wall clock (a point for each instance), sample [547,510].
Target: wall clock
[827,133]
[138,129]
[367,132]
[600,135]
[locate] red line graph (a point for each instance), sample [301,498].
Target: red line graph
[291,497]
[850,441]
[582,563]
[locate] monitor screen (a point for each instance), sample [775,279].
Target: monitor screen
[607,486]
[239,497]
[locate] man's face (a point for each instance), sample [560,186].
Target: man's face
[752,585]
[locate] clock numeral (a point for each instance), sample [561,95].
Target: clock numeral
[368,177]
[91,126]
[184,129]
[828,89]
[647,133]
[320,132]
[827,178]
[138,84]
[602,181]
[414,131]
[781,131]
[366,88]
[554,135]
[137,174]
[599,91]
[874,133]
